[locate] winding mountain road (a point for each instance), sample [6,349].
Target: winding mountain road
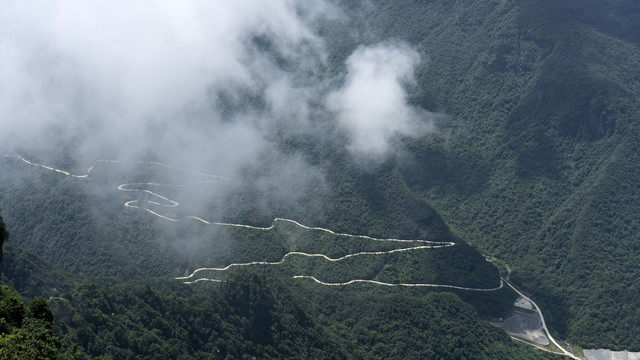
[163,201]
[544,324]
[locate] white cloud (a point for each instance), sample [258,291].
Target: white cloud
[371,107]
[131,80]
[115,76]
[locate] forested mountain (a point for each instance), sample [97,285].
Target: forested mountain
[27,332]
[540,163]
[4,236]
[247,316]
[517,142]
[253,316]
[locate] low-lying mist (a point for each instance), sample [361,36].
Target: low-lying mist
[214,87]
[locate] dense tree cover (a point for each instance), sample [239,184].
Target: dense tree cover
[435,326]
[4,236]
[248,316]
[81,233]
[112,313]
[55,217]
[537,162]
[378,203]
[256,316]
[32,276]
[27,332]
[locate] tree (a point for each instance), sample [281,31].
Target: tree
[28,333]
[39,309]
[4,235]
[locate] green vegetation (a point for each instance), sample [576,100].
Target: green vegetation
[578,351]
[4,236]
[31,276]
[27,333]
[535,164]
[92,236]
[253,315]
[166,319]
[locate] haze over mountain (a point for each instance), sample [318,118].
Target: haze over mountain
[506,129]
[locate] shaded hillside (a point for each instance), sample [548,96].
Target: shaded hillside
[538,163]
[31,276]
[27,332]
[61,223]
[4,236]
[257,316]
[535,162]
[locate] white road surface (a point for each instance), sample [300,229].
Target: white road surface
[163,201]
[544,324]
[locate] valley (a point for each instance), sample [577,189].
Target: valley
[212,274]
[322,179]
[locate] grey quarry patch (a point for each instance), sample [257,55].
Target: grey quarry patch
[526,326]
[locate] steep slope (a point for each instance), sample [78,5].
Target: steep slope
[258,316]
[4,236]
[538,160]
[81,227]
[535,163]
[27,332]
[31,276]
